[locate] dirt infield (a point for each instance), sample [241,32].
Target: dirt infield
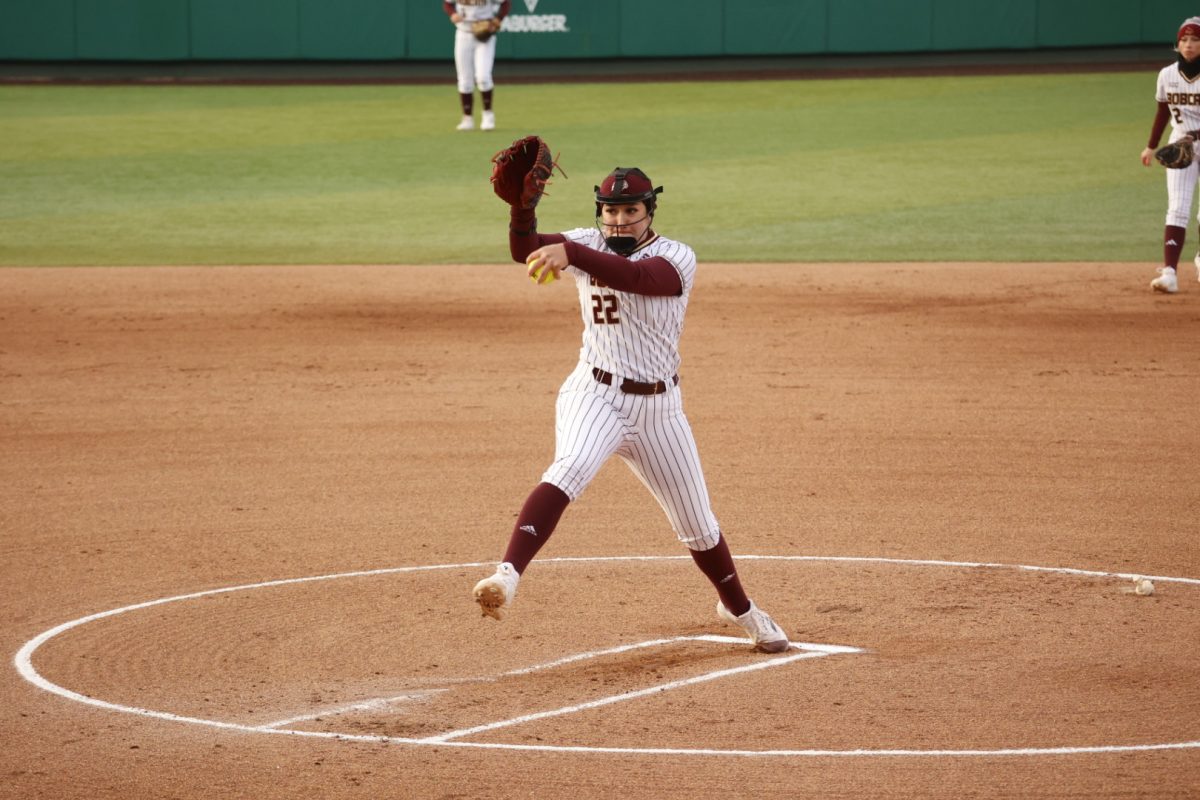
[170,432]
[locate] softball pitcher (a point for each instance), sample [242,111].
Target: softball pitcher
[476,23]
[623,398]
[1178,96]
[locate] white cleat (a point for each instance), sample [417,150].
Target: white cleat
[1166,281]
[758,625]
[467,124]
[488,123]
[498,591]
[1196,261]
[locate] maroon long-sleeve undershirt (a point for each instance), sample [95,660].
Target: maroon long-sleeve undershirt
[1160,124]
[656,277]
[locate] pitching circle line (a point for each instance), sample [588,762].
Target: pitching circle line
[23,661]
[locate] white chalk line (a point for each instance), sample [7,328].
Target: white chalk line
[23,661]
[620,698]
[824,649]
[377,703]
[374,704]
[625,648]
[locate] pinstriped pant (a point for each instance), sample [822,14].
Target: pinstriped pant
[473,61]
[649,433]
[1181,187]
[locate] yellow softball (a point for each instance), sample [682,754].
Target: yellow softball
[540,274]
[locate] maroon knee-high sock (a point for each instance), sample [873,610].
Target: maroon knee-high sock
[1173,237]
[467,101]
[487,99]
[537,520]
[717,566]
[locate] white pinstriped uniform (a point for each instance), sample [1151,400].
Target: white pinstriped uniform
[636,337]
[644,344]
[1182,97]
[474,60]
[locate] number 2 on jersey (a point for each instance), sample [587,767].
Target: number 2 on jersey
[604,309]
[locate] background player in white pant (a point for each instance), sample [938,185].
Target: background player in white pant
[474,58]
[623,398]
[1178,96]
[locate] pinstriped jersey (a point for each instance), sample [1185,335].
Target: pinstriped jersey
[475,10]
[633,335]
[1182,97]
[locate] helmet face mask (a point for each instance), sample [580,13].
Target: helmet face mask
[626,186]
[624,225]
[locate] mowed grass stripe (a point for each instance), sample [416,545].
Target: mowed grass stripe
[1008,168]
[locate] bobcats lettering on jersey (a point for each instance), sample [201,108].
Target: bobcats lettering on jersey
[1183,97]
[1178,99]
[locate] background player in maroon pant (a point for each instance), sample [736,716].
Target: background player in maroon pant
[623,397]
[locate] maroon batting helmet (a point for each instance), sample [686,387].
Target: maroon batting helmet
[627,185]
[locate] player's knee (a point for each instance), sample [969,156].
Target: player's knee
[570,480]
[699,539]
[571,490]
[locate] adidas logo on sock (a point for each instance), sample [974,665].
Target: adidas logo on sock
[532,531]
[1173,242]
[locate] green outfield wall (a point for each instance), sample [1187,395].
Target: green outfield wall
[220,30]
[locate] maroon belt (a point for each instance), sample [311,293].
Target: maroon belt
[634,387]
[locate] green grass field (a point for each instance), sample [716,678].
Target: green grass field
[1014,168]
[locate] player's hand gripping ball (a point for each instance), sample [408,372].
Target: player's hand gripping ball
[540,272]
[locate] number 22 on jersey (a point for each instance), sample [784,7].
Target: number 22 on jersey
[605,309]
